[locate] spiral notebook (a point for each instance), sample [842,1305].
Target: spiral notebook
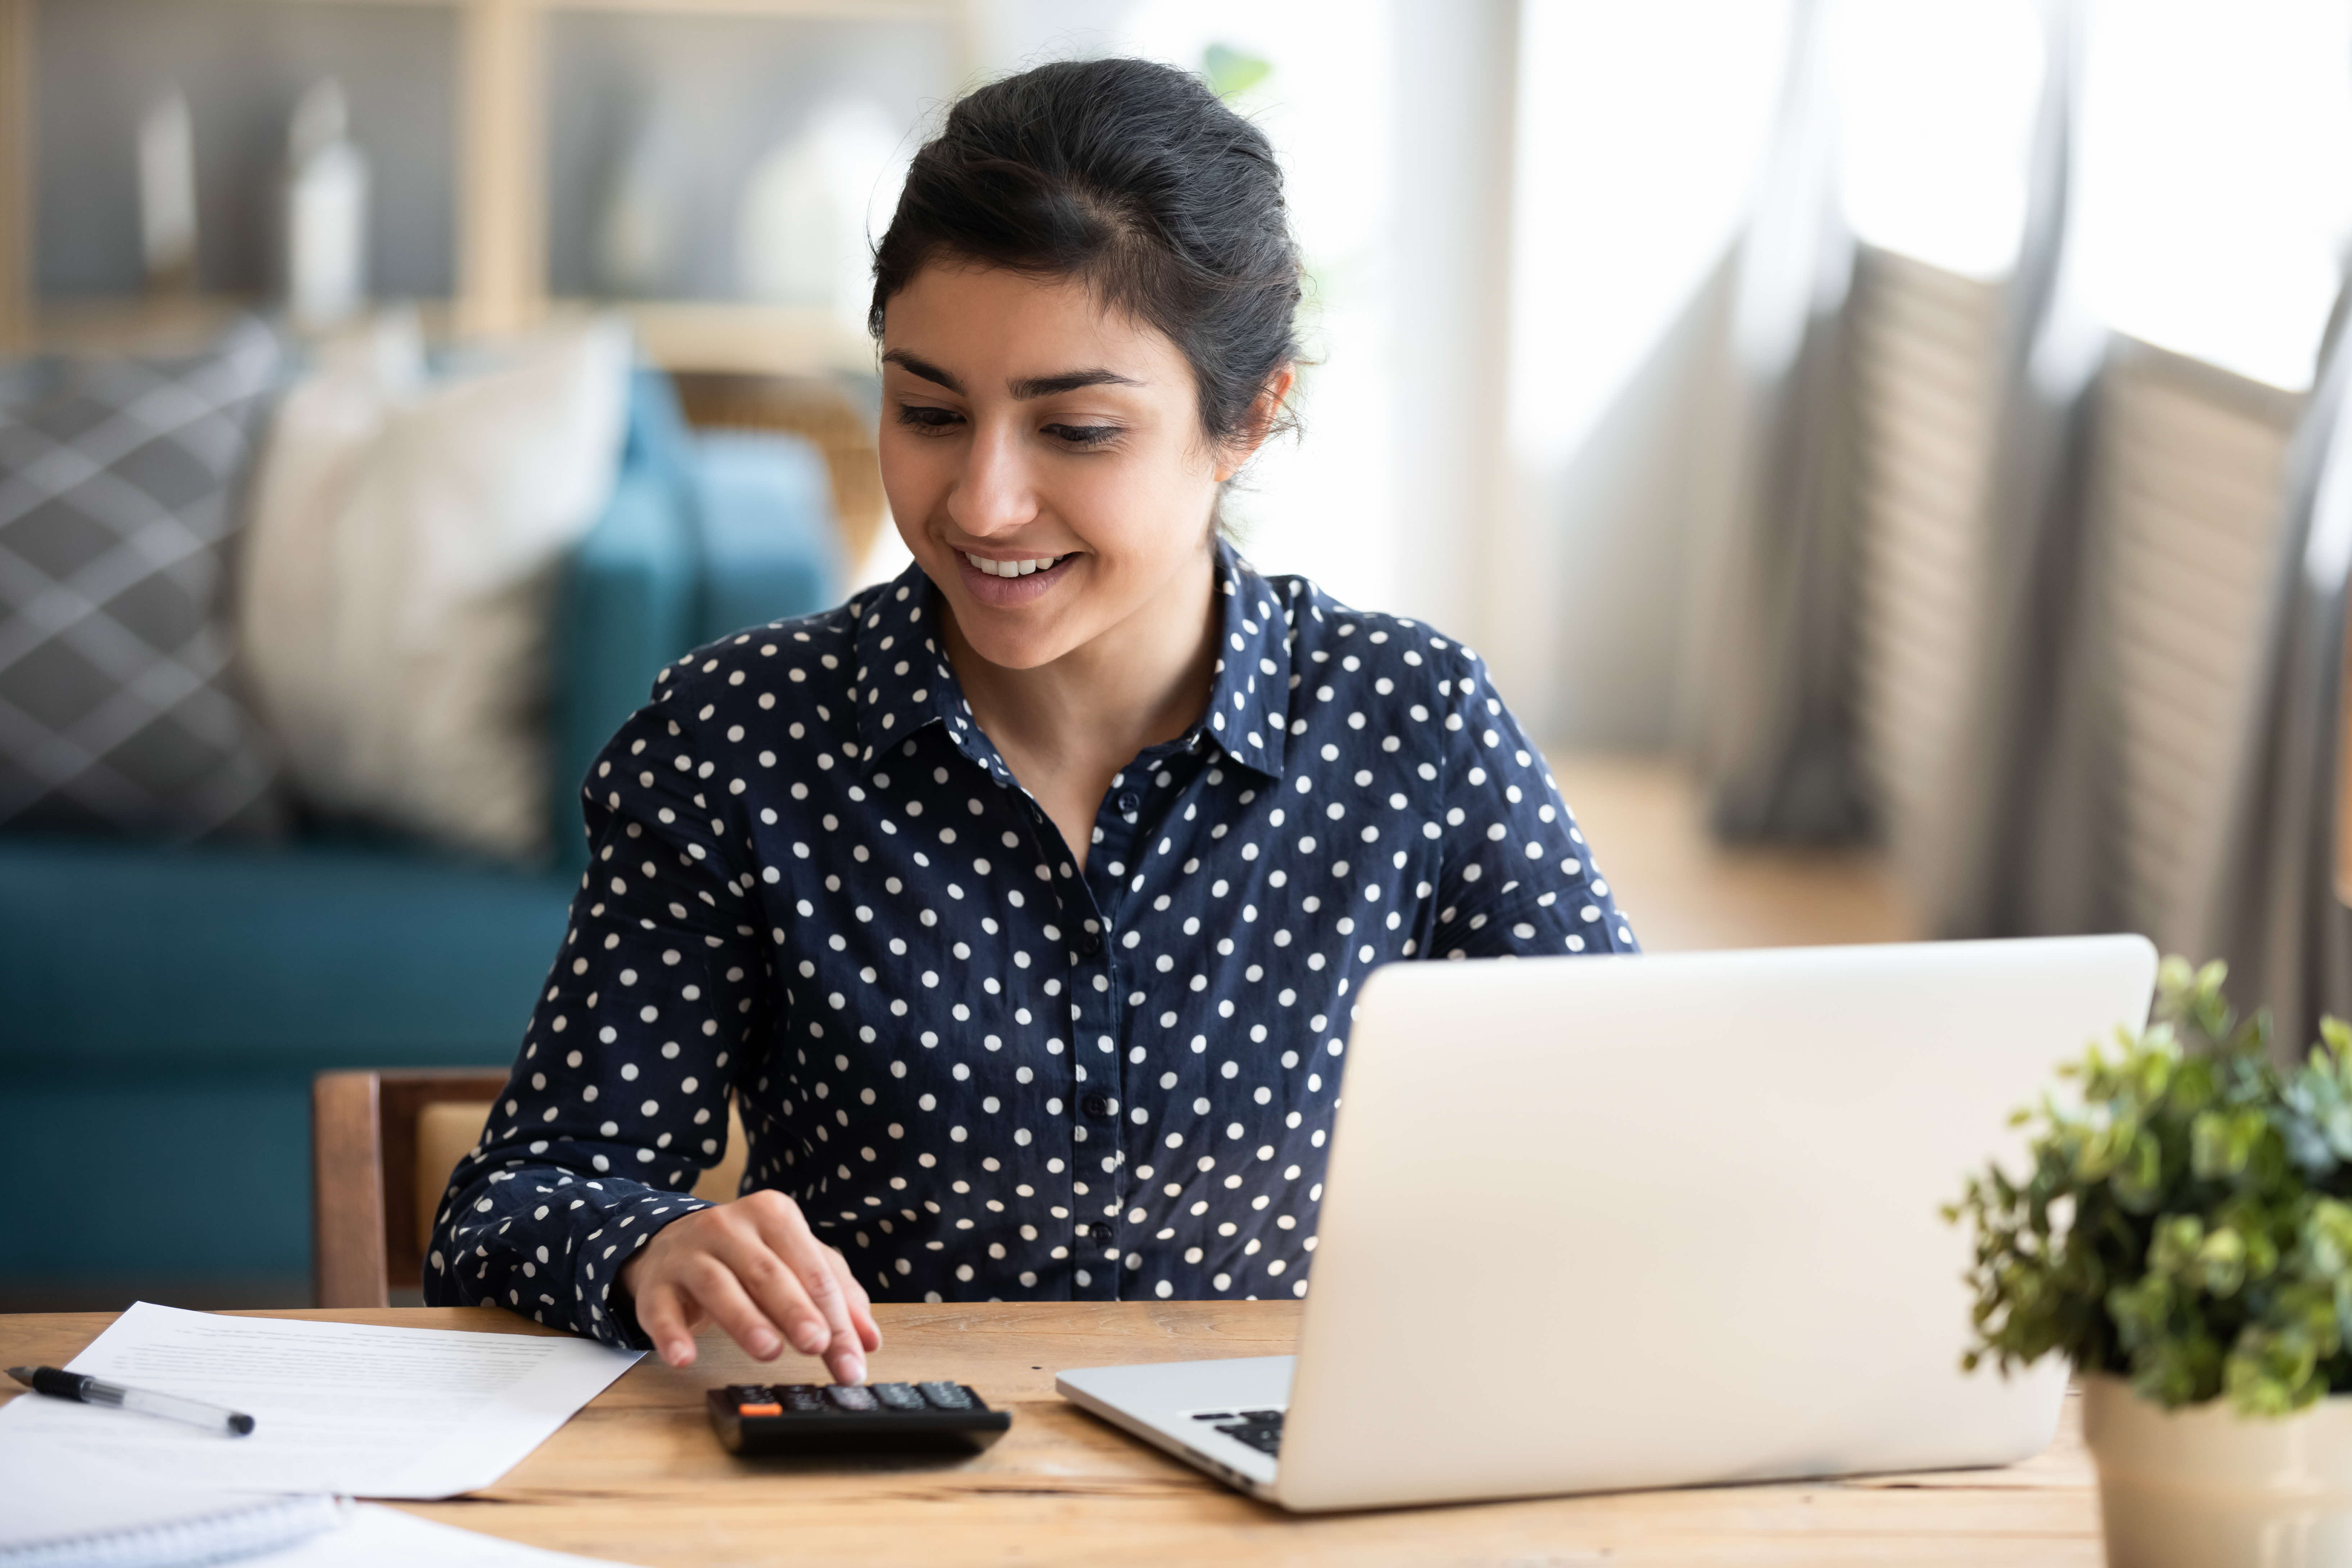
[59,1509]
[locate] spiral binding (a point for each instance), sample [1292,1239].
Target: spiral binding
[247,1529]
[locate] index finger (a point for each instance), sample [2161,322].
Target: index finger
[861,1305]
[787,1233]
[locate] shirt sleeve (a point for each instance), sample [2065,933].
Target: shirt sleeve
[618,1099]
[1514,874]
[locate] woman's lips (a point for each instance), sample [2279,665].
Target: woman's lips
[1010,593]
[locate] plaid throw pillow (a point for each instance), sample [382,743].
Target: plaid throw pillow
[117,491]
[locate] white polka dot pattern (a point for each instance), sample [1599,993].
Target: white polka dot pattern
[982,1071]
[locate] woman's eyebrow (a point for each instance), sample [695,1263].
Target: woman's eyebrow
[1025,389]
[923,368]
[1032,386]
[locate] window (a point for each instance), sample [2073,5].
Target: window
[1936,102]
[1640,126]
[2217,175]
[1321,505]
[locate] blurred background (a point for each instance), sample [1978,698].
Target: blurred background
[1887,451]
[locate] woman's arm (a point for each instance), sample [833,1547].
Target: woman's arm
[619,1098]
[1515,876]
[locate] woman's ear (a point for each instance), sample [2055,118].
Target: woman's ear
[1264,415]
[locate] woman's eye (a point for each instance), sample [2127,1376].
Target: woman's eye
[926,418]
[1082,434]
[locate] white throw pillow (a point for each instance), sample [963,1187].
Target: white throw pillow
[399,570]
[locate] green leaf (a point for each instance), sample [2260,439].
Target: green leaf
[2187,1221]
[2336,1036]
[1230,72]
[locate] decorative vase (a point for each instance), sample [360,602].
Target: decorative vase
[167,194]
[326,201]
[2205,1486]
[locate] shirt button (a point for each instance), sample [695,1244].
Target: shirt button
[1090,943]
[1097,1105]
[1102,1232]
[1127,801]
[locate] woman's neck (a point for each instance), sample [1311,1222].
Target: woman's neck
[1065,728]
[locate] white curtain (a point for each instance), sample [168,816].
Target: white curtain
[2280,917]
[1775,704]
[2025,828]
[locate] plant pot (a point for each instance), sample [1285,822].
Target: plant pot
[2204,1486]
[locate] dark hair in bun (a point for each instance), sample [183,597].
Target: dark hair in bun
[1134,177]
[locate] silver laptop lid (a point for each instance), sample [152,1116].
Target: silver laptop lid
[1600,1223]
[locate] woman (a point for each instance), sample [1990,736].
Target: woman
[1020,901]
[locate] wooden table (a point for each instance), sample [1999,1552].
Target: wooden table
[637,1477]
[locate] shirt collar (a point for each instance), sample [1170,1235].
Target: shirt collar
[1249,695]
[902,681]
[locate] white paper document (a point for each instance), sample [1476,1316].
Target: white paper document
[337,1407]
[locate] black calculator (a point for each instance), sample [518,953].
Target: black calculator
[811,1418]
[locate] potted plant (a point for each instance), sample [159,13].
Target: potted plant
[2184,1238]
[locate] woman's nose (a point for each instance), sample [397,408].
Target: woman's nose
[995,493]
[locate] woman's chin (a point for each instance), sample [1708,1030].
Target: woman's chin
[1013,647]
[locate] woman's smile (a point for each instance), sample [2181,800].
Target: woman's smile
[1008,583]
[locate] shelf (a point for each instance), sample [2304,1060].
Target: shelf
[675,335]
[500,198]
[769,340]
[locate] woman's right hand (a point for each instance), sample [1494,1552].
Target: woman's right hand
[755,1268]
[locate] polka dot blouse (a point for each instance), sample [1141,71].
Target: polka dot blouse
[983,1071]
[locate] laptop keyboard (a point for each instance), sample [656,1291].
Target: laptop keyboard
[1260,1429]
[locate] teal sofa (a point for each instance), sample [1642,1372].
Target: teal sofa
[163,1010]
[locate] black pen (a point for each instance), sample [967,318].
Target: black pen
[88,1390]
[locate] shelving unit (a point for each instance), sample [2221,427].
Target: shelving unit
[15,173]
[500,190]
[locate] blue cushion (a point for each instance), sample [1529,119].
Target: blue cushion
[121,958]
[658,441]
[704,536]
[763,504]
[625,606]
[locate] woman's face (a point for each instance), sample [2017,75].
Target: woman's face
[1043,459]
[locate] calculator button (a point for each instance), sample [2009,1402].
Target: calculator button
[946,1395]
[896,1396]
[851,1397]
[1213,1415]
[758,1409]
[802,1396]
[1263,1417]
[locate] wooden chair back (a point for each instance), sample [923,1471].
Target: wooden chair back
[383,1144]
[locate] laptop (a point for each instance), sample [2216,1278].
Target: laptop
[1598,1224]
